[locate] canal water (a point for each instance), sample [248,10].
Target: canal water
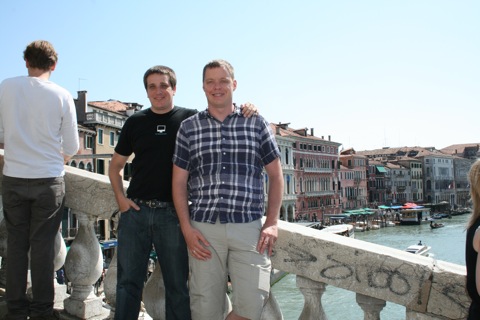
[448,244]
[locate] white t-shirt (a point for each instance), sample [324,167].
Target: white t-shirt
[38,125]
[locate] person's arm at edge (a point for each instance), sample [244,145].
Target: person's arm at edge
[195,241]
[275,193]
[116,181]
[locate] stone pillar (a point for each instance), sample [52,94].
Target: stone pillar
[83,267]
[414,315]
[371,306]
[312,292]
[154,294]
[58,262]
[110,283]
[61,250]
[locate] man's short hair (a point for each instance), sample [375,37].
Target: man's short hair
[218,63]
[172,78]
[40,54]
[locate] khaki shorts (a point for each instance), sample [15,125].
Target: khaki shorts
[234,253]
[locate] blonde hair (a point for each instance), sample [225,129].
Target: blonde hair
[219,63]
[474,180]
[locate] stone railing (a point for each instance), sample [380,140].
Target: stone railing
[429,289]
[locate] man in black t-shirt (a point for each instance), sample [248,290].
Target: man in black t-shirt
[148,216]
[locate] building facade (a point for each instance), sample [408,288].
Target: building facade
[353,180]
[316,179]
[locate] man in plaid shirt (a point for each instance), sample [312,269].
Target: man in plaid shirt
[218,166]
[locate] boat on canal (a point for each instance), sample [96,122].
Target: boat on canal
[419,249]
[435,225]
[414,216]
[344,229]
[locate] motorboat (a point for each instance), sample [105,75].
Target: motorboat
[435,225]
[419,249]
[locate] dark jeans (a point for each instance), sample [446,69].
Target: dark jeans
[137,231]
[33,211]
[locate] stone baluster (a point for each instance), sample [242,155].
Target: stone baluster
[371,306]
[83,267]
[154,294]
[110,283]
[312,292]
[58,262]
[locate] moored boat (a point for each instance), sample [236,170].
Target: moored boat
[414,216]
[460,211]
[441,215]
[344,229]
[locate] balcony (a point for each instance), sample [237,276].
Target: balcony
[428,288]
[105,119]
[317,170]
[289,197]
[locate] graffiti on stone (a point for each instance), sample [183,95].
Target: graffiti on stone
[335,269]
[379,278]
[393,280]
[298,254]
[453,292]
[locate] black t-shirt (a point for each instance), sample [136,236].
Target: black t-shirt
[151,137]
[471,263]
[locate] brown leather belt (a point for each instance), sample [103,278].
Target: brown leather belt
[153,203]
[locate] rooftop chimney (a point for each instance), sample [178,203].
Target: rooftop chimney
[81,105]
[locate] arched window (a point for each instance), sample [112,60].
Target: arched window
[81,165]
[73,164]
[89,167]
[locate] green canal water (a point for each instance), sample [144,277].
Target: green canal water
[448,244]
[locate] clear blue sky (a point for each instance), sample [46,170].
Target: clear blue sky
[368,73]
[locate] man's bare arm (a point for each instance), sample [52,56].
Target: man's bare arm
[116,181]
[269,232]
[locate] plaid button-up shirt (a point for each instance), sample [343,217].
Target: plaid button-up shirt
[225,161]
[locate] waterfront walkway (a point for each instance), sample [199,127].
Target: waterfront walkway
[106,312]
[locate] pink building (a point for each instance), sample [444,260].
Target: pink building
[316,183]
[353,178]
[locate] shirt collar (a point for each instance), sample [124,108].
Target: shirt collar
[236,111]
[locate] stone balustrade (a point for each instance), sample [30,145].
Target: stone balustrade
[428,288]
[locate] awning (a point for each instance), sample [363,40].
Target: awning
[359,212]
[381,169]
[411,205]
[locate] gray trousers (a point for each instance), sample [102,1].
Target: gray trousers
[33,210]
